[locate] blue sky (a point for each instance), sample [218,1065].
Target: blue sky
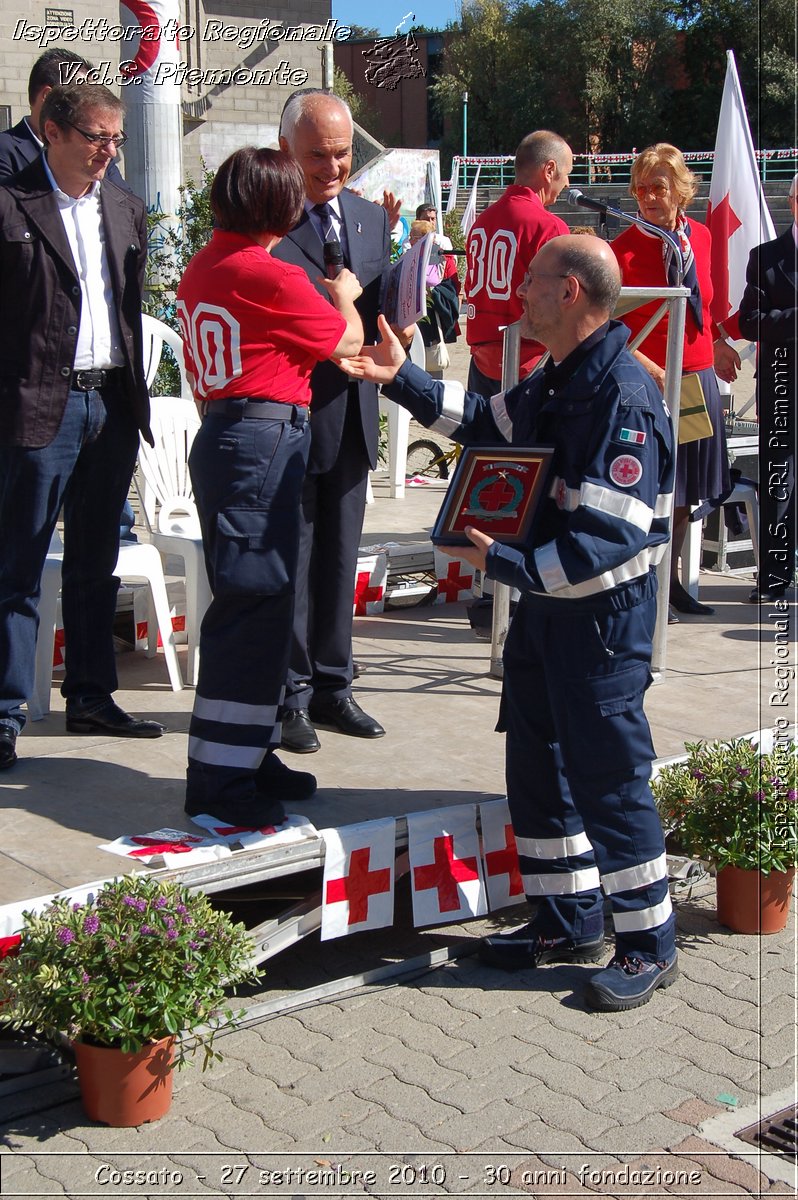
[387,14]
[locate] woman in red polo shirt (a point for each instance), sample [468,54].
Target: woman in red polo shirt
[253,329]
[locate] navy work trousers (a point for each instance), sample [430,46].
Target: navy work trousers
[579,755]
[247,475]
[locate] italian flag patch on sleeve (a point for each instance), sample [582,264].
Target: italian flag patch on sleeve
[635,436]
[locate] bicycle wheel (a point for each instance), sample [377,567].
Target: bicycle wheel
[425,457]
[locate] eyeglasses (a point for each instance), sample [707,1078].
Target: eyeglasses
[530,275]
[101,139]
[658,189]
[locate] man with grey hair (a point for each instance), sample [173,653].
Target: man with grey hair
[768,315]
[577,656]
[317,130]
[502,241]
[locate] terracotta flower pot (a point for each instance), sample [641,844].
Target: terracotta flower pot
[750,902]
[125,1089]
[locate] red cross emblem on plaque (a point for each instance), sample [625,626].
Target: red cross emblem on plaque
[358,885]
[445,872]
[505,862]
[625,470]
[455,582]
[497,496]
[365,594]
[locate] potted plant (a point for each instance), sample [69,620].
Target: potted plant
[124,978]
[735,807]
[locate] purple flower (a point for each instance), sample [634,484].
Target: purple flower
[85,978]
[77,907]
[697,774]
[760,795]
[146,929]
[193,945]
[171,934]
[181,908]
[91,923]
[743,771]
[65,936]
[161,902]
[791,795]
[170,924]
[134,902]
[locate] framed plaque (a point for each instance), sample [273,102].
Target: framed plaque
[497,490]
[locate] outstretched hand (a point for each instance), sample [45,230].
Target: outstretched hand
[377,364]
[727,361]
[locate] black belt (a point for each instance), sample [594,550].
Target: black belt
[259,410]
[87,381]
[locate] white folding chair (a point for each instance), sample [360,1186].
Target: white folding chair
[137,560]
[176,529]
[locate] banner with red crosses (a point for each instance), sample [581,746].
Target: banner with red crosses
[371,578]
[455,578]
[358,887]
[502,872]
[445,866]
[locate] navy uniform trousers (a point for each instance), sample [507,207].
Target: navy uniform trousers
[247,475]
[578,760]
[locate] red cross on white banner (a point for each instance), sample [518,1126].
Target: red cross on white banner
[370,579]
[455,579]
[445,866]
[358,887]
[502,872]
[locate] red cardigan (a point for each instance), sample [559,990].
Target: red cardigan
[640,260]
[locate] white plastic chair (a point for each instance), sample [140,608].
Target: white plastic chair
[744,493]
[176,529]
[155,335]
[137,560]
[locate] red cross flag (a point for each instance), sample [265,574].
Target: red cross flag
[445,866]
[357,892]
[455,578]
[502,872]
[737,214]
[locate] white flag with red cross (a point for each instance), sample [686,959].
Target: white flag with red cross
[371,576]
[358,887]
[737,214]
[445,865]
[455,578]
[502,872]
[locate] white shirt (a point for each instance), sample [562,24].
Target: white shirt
[338,223]
[99,342]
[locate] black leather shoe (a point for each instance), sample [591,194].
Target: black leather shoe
[347,717]
[103,716]
[298,732]
[524,948]
[683,602]
[766,597]
[257,813]
[275,781]
[8,746]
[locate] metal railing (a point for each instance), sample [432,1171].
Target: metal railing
[499,170]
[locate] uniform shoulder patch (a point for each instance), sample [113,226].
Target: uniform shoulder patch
[626,470]
[636,436]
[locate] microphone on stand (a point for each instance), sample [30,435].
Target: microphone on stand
[578,199]
[333,259]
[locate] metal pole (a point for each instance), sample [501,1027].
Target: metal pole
[511,359]
[465,137]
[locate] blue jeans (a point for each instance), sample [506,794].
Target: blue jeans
[87,467]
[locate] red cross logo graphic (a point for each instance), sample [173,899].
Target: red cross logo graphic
[454,583]
[625,470]
[358,885]
[505,862]
[497,496]
[445,872]
[364,594]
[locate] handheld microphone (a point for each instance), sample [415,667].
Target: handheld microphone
[578,199]
[333,259]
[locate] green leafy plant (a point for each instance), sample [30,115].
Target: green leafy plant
[732,806]
[146,960]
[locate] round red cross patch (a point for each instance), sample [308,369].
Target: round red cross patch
[625,470]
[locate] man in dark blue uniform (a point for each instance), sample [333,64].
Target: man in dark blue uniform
[577,656]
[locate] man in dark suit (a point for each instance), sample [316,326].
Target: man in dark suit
[769,316]
[23,143]
[73,399]
[316,128]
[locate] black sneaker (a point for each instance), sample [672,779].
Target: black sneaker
[275,781]
[525,947]
[253,814]
[629,982]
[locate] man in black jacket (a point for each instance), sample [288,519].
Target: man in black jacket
[23,143]
[768,315]
[73,399]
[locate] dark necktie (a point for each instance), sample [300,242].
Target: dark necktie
[329,231]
